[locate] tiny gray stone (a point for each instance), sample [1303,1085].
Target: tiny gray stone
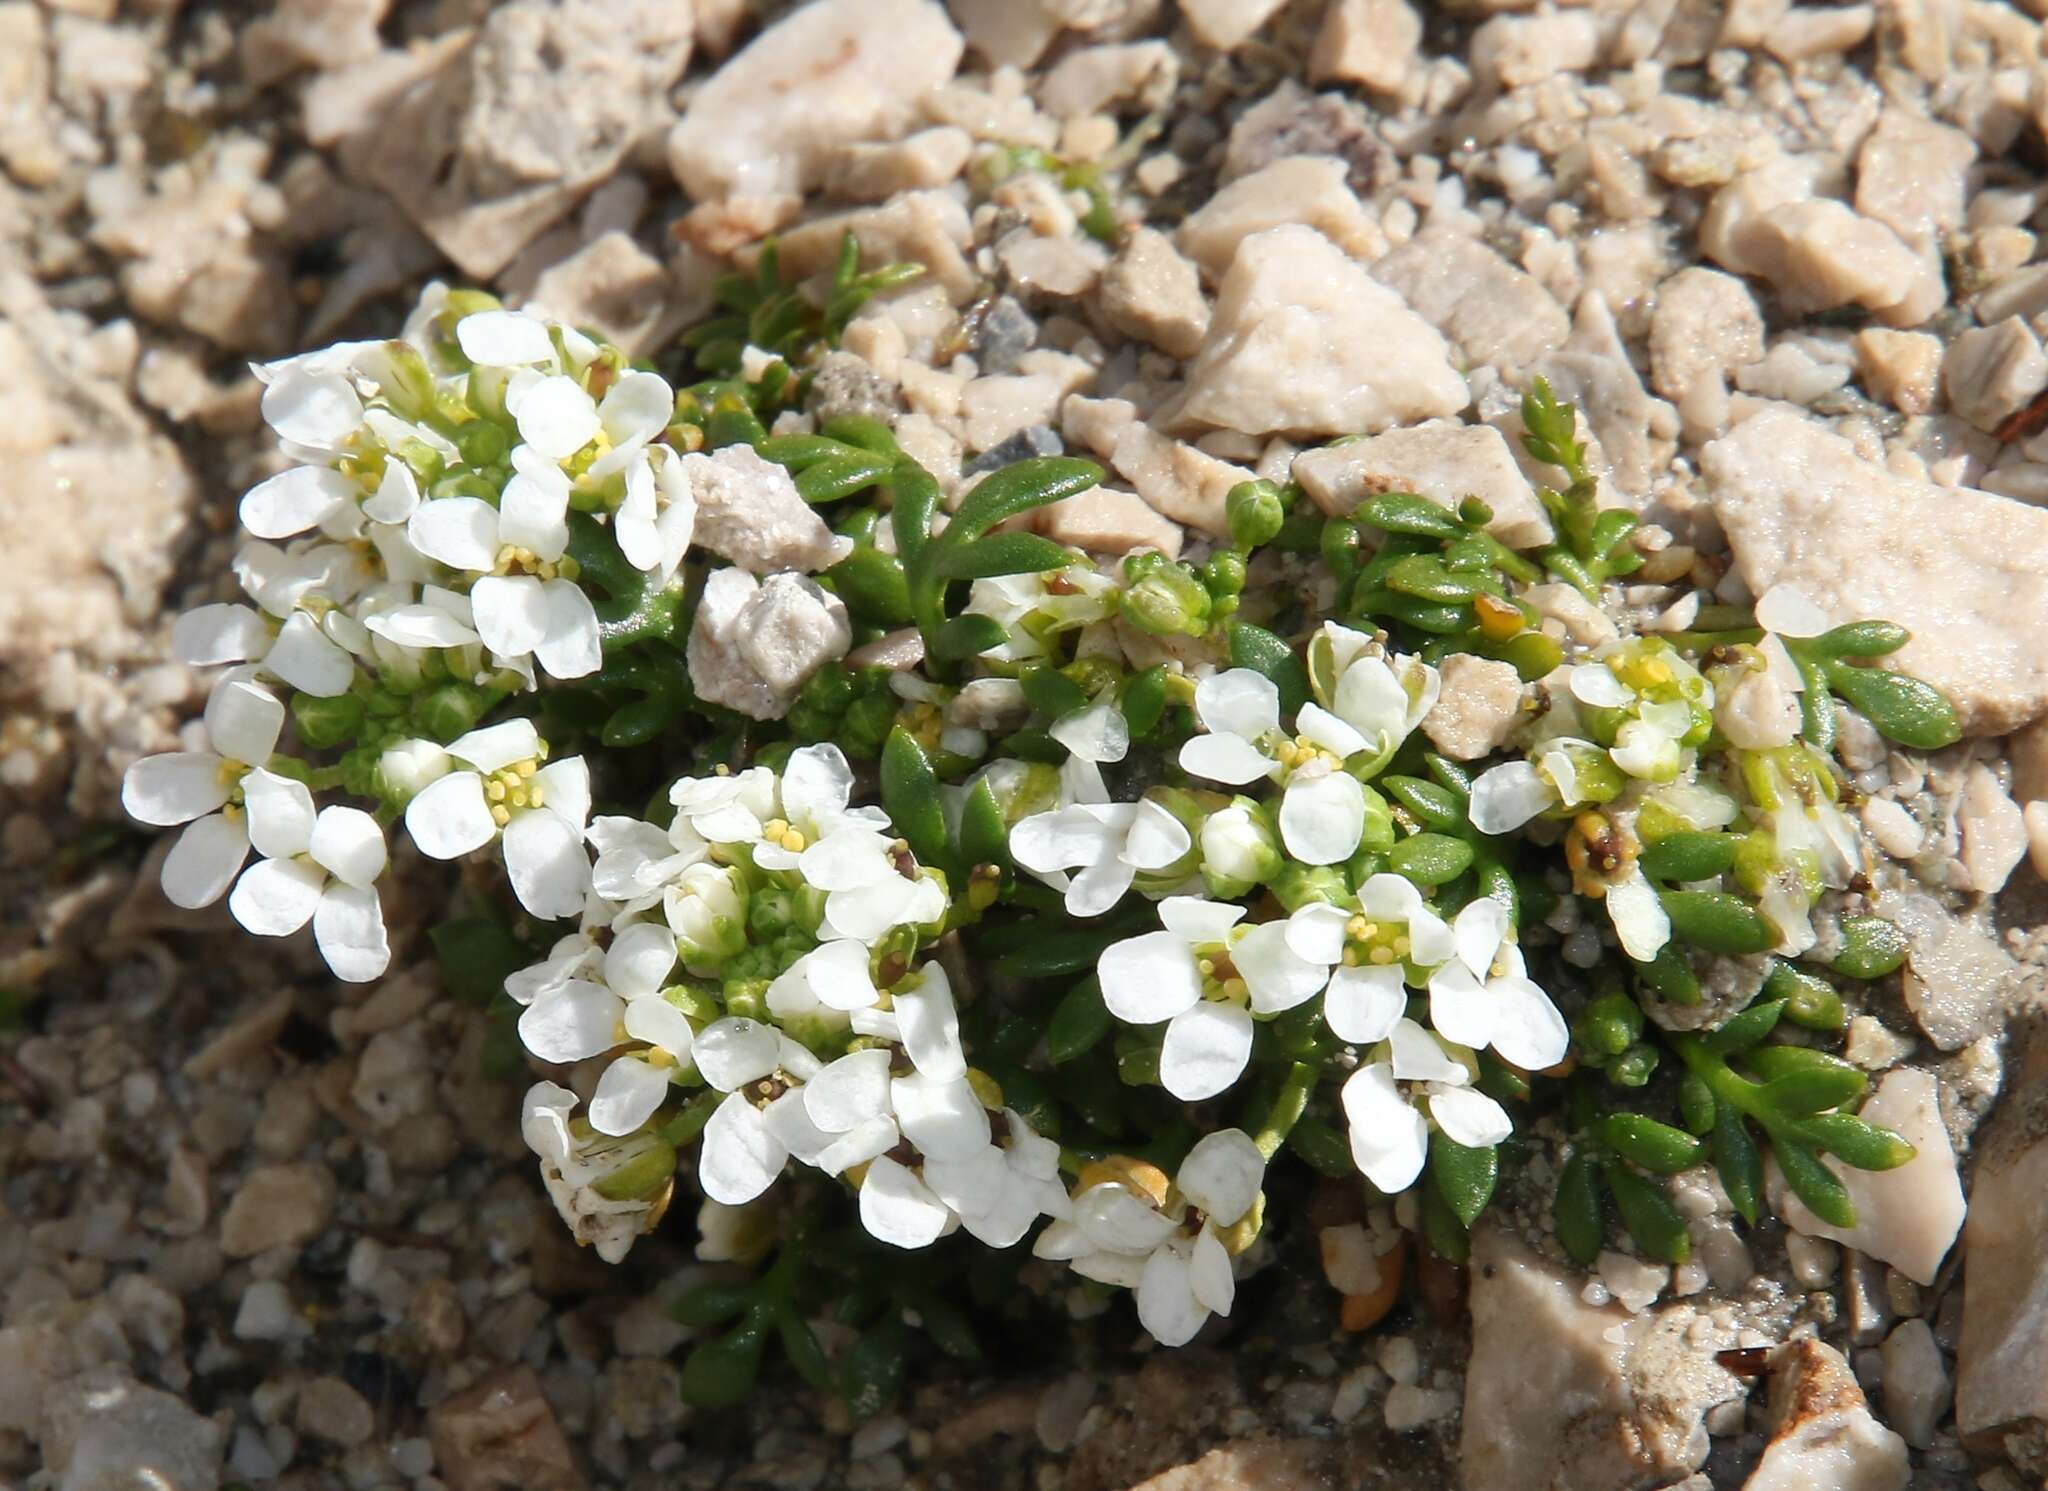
[1034,440]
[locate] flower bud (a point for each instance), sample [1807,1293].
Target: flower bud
[1239,850]
[405,769]
[707,912]
[1644,751]
[1164,598]
[324,723]
[1296,885]
[1255,512]
[451,710]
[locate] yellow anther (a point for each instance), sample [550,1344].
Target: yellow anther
[656,1056]
[793,841]
[1358,927]
[1402,946]
[495,790]
[1235,990]
[516,797]
[500,816]
[1382,956]
[536,796]
[1207,966]
[527,768]
[774,829]
[1350,957]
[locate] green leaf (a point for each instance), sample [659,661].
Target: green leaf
[1871,947]
[841,476]
[1861,639]
[873,586]
[871,1373]
[1441,1229]
[1813,1182]
[1642,1140]
[1696,1102]
[1855,1141]
[801,1346]
[910,796]
[1738,1161]
[1003,554]
[1669,976]
[1463,1176]
[1903,708]
[1810,1000]
[1143,701]
[1580,1226]
[1690,856]
[948,1327]
[477,954]
[1801,1093]
[1405,512]
[1018,488]
[1430,860]
[1746,1029]
[865,431]
[1426,579]
[1051,692]
[966,636]
[1436,806]
[1057,952]
[1326,1150]
[1648,1214]
[1258,649]
[720,1373]
[984,835]
[1817,720]
[1718,922]
[1079,1022]
[914,499]
[712,1304]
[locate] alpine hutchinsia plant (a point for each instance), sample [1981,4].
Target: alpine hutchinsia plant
[871,860]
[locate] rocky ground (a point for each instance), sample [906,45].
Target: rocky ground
[259,1227]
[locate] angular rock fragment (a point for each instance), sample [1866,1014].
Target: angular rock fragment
[1103,520]
[1153,294]
[1825,1434]
[1493,312]
[1912,173]
[1307,189]
[1366,41]
[1992,372]
[1478,708]
[499,1434]
[1180,482]
[1303,341]
[1966,572]
[613,286]
[748,511]
[105,1429]
[755,643]
[1705,322]
[1227,24]
[1440,459]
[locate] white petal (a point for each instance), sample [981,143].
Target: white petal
[740,1157]
[565,786]
[1362,1004]
[1640,920]
[638,962]
[1430,939]
[1205,1050]
[570,647]
[1099,886]
[348,928]
[850,857]
[397,495]
[931,1026]
[294,500]
[1389,898]
[1067,837]
[310,661]
[557,418]
[1316,932]
[578,1020]
[174,787]
[1469,1117]
[1197,921]
[1156,838]
[1419,1058]
[1237,701]
[1120,1221]
[219,633]
[654,1020]
[1098,733]
[941,1118]
[1508,796]
[1478,932]
[281,814]
[817,784]
[1149,978]
[511,613]
[1209,1274]
[497,746]
[638,406]
[898,1208]
[1118,1270]
[319,410]
[420,626]
[203,863]
[534,514]
[1461,1008]
[792,1128]
[1167,1306]
[1330,732]
[243,720]
[1527,1028]
[1222,1175]
[838,974]
[1322,818]
[1226,758]
[859,1144]
[1389,1139]
[1787,612]
[504,339]
[1278,980]
[276,897]
[545,862]
[849,1091]
[627,1095]
[971,1184]
[449,818]
[732,1052]
[1371,698]
[1595,684]
[460,532]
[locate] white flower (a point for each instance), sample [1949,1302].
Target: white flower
[1000,1191]
[636,1084]
[1085,595]
[1109,843]
[1389,1129]
[810,801]
[299,653]
[826,984]
[655,523]
[321,868]
[866,894]
[1322,809]
[574,1169]
[1160,976]
[1179,1266]
[440,618]
[199,788]
[1376,700]
[1484,997]
[539,810]
[1509,795]
[1641,923]
[707,913]
[637,862]
[726,809]
[555,414]
[1238,850]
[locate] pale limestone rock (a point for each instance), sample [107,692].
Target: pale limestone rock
[1916,1385]
[1911,175]
[1906,1217]
[864,172]
[859,66]
[276,1206]
[1580,620]
[1493,312]
[1103,520]
[106,1430]
[748,511]
[1139,74]
[1994,834]
[1439,459]
[1807,32]
[1820,254]
[1992,372]
[756,643]
[1634,1282]
[1349,1262]
[1062,266]
[1728,229]
[1227,24]
[330,1409]
[2022,293]
[1153,294]
[1009,33]
[1901,368]
[1759,713]
[929,228]
[486,141]
[2035,816]
[1512,51]
[1303,341]
[315,34]
[1478,708]
[613,286]
[1373,42]
[1825,1435]
[994,409]
[1180,482]
[502,1433]
[34,1359]
[29,119]
[1966,572]
[1706,323]
[1958,982]
[1307,189]
[1894,829]
[2028,750]
[1561,1395]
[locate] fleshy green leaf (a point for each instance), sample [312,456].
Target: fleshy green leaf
[1003,554]
[915,497]
[1018,488]
[1431,859]
[1690,856]
[1738,1161]
[984,836]
[1871,947]
[873,586]
[1463,1176]
[871,1373]
[1861,639]
[966,636]
[477,954]
[1746,1029]
[910,796]
[1642,1140]
[1813,1182]
[1258,649]
[1718,922]
[1649,1215]
[1051,692]
[721,1372]
[1580,1226]
[1079,1021]
[1143,701]
[1903,708]
[1854,1141]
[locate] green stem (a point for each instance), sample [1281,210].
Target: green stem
[1288,1105]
